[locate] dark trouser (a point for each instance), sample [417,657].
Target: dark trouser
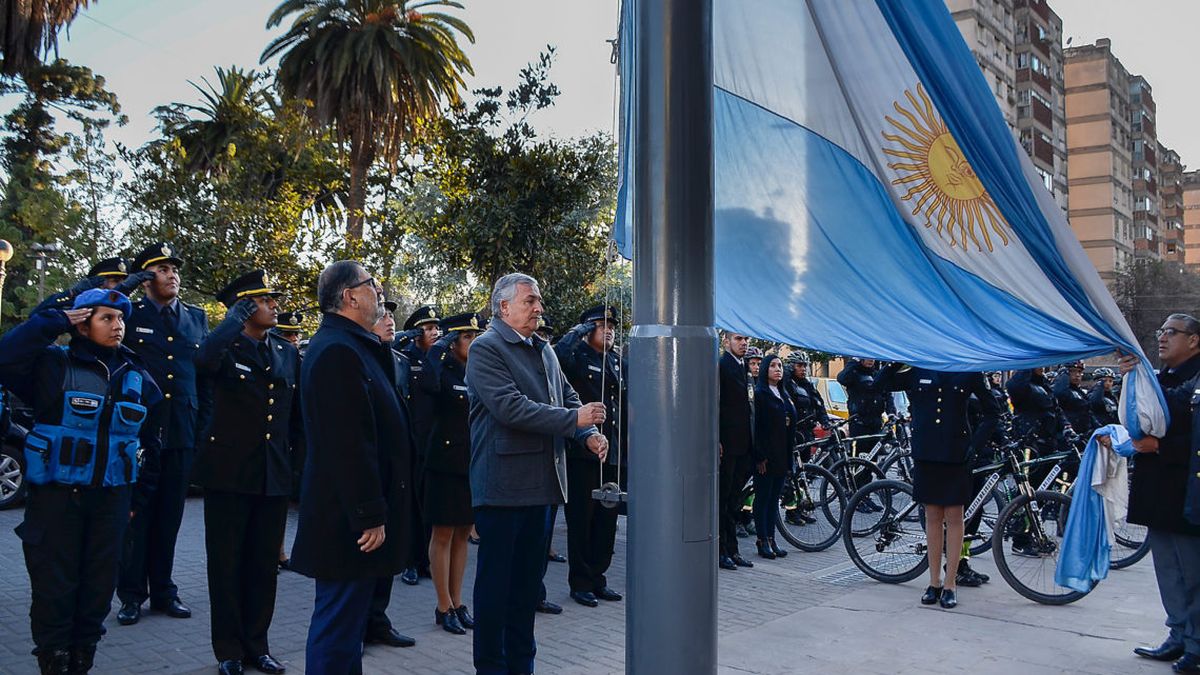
[381,596]
[550,520]
[149,550]
[767,489]
[735,469]
[1177,567]
[338,626]
[72,540]
[420,532]
[591,527]
[242,535]
[508,577]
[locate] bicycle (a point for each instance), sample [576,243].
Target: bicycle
[892,548]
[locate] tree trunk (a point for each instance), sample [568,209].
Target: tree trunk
[361,156]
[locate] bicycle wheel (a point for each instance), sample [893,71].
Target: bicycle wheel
[1131,545]
[854,473]
[810,510]
[892,546]
[987,524]
[1034,527]
[898,466]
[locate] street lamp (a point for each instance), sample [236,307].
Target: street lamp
[43,252]
[6,254]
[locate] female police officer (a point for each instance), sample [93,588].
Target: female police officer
[90,400]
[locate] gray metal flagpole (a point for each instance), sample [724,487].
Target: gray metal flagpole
[671,618]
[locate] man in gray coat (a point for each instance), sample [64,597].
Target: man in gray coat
[522,411]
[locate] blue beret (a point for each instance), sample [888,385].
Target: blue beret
[100,297]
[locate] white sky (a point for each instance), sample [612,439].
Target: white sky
[159,45]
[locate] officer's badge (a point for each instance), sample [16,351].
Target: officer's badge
[166,250]
[432,313]
[475,323]
[541,322]
[265,282]
[121,266]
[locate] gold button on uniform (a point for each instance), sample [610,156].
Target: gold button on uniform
[271,386]
[270,401]
[170,376]
[241,377]
[170,357]
[270,417]
[170,338]
[268,437]
[168,395]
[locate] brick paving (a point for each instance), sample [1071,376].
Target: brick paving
[798,597]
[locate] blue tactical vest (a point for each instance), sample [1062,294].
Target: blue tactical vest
[96,443]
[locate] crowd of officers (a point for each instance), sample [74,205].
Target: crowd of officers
[764,415]
[135,400]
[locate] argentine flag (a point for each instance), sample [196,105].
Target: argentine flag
[871,200]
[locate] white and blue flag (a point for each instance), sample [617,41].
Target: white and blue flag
[871,200]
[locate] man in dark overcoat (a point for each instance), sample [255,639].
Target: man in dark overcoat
[354,500]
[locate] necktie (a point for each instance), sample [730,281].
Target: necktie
[168,317]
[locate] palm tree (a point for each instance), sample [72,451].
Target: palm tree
[373,69]
[29,29]
[209,131]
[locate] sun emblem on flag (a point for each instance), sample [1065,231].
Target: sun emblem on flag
[942,185]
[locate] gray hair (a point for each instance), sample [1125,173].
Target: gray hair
[334,279]
[506,289]
[1190,324]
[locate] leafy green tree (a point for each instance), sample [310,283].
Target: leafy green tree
[371,70]
[236,182]
[46,201]
[29,29]
[1147,291]
[517,201]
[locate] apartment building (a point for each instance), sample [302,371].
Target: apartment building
[1190,185]
[1170,212]
[1147,238]
[1100,163]
[988,27]
[1041,112]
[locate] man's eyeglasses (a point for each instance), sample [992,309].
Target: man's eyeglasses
[1170,332]
[364,282]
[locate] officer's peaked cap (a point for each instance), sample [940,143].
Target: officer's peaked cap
[156,253]
[110,267]
[598,313]
[468,322]
[424,314]
[249,285]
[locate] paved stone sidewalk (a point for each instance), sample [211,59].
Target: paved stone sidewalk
[807,613]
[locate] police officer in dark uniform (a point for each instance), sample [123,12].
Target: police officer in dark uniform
[1035,410]
[91,400]
[1101,399]
[447,501]
[810,405]
[1073,399]
[165,332]
[244,464]
[943,442]
[420,332]
[865,402]
[594,370]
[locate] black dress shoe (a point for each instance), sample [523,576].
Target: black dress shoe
[409,576]
[740,561]
[173,608]
[779,553]
[931,596]
[267,664]
[556,557]
[464,617]
[547,607]
[584,598]
[608,594]
[129,613]
[57,661]
[964,566]
[448,621]
[726,563]
[230,667]
[390,638]
[1167,651]
[764,550]
[1188,663]
[949,599]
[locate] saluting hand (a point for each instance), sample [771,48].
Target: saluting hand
[598,444]
[590,414]
[78,316]
[371,539]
